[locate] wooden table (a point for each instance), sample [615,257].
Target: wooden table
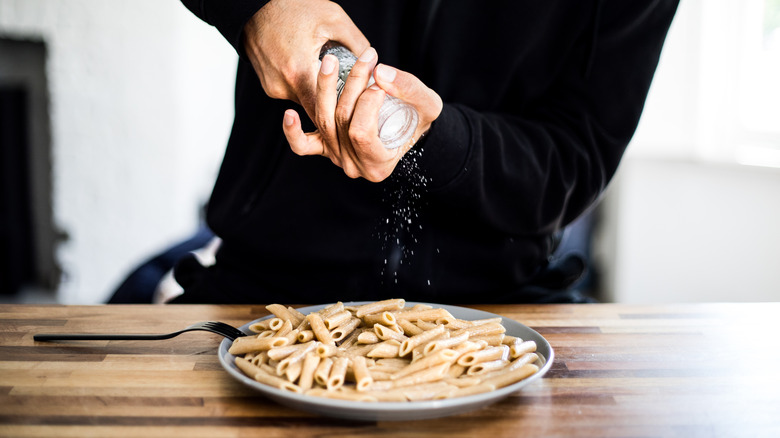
[708,370]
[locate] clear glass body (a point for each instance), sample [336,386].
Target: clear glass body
[397,120]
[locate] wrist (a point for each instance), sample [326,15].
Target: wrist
[251,33]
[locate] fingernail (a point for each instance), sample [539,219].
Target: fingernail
[385,73]
[328,64]
[367,55]
[374,87]
[288,119]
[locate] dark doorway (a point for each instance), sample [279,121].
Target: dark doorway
[17,262]
[28,236]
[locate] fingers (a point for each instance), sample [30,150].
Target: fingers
[325,103]
[377,162]
[347,131]
[355,85]
[300,142]
[408,88]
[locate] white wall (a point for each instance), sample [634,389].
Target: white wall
[688,232]
[684,220]
[141,107]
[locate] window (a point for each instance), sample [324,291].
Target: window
[716,94]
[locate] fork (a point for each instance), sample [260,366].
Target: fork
[219,328]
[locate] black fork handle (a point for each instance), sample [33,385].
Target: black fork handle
[100,337]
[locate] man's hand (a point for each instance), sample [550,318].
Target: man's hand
[347,130]
[283,41]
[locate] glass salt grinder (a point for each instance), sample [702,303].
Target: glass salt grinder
[397,119]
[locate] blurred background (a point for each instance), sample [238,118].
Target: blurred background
[114,116]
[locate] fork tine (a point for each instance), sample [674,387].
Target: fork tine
[223,329]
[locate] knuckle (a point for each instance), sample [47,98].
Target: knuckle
[342,115]
[359,135]
[351,172]
[274,90]
[296,149]
[377,174]
[323,122]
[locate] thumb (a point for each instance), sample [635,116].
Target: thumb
[408,88]
[301,143]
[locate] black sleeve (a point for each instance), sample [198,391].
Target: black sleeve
[228,16]
[534,171]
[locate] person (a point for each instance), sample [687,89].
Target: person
[525,110]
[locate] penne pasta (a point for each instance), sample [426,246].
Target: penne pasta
[425,325]
[386,333]
[504,379]
[262,376]
[298,315]
[379,306]
[492,340]
[284,329]
[260,326]
[378,374]
[423,315]
[249,344]
[382,351]
[293,372]
[292,336]
[446,342]
[357,350]
[431,374]
[351,339]
[485,355]
[518,349]
[388,348]
[306,380]
[363,378]
[427,391]
[368,337]
[266,334]
[392,363]
[456,371]
[305,336]
[444,356]
[523,360]
[275,323]
[408,345]
[322,372]
[487,367]
[409,328]
[337,374]
[323,350]
[345,329]
[320,331]
[284,313]
[260,358]
[295,357]
[472,390]
[384,318]
[277,354]
[337,319]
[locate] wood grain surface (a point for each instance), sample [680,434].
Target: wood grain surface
[699,370]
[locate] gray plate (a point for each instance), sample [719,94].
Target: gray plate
[397,411]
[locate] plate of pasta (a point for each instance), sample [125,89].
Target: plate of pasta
[385,360]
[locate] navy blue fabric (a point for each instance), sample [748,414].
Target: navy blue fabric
[139,285]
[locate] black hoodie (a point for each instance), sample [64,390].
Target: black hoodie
[540,101]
